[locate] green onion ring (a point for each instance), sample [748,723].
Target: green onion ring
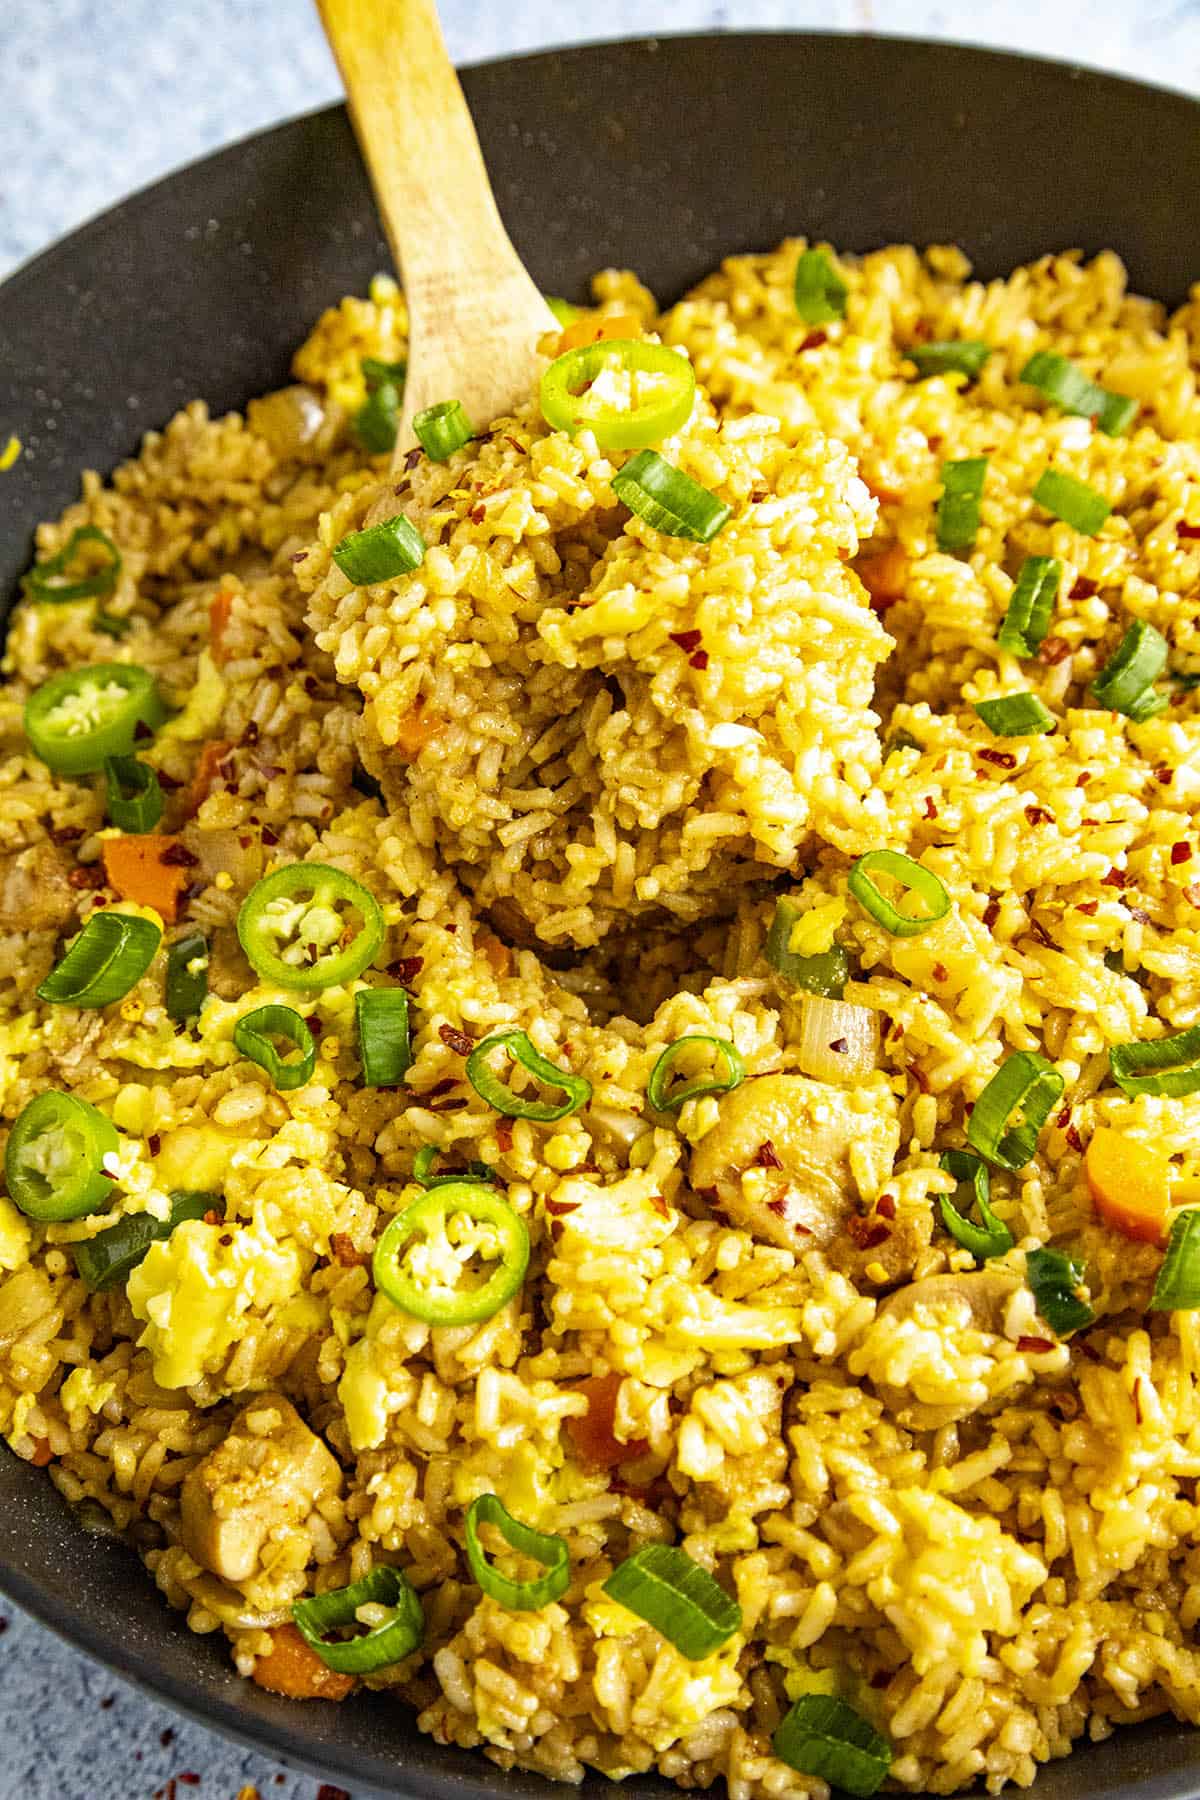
[668,499]
[110,956]
[957,516]
[660,1074]
[823,1737]
[378,418]
[576,1090]
[1025,1082]
[1178,1286]
[923,882]
[253,1036]
[443,429]
[1166,1065]
[952,356]
[1067,386]
[818,290]
[663,1585]
[135,796]
[380,552]
[544,1547]
[1074,502]
[1053,1279]
[1015,715]
[1126,682]
[383,1645]
[187,977]
[49,580]
[423,1163]
[1030,606]
[993,1237]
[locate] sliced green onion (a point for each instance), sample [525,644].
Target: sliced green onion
[575,1090]
[1074,502]
[376,372]
[381,552]
[378,419]
[993,1237]
[1030,606]
[110,624]
[573,398]
[254,1036]
[663,1585]
[427,1155]
[820,293]
[668,499]
[384,1044]
[296,934]
[952,356]
[54,1158]
[187,977]
[1024,1083]
[1166,1065]
[443,429]
[922,882]
[1053,1281]
[1126,681]
[110,956]
[1067,386]
[957,517]
[1178,1286]
[660,1075]
[1015,715]
[544,1547]
[81,717]
[565,311]
[378,1648]
[825,972]
[135,798]
[109,1259]
[822,1736]
[429,1218]
[52,579]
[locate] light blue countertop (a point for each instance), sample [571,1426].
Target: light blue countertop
[101,98]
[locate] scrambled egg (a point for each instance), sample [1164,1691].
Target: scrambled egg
[14,1236]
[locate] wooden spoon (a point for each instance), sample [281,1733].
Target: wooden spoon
[474,313]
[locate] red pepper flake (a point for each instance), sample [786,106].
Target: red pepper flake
[1181,853]
[931,811]
[1086,1349]
[83,877]
[1083,779]
[446,532]
[439,1088]
[1064,1118]
[270,838]
[1074,1139]
[154,1143]
[767,1157]
[1115,878]
[167,1738]
[940,972]
[1137,1398]
[1084,588]
[66,834]
[708,1195]
[178,856]
[991,913]
[814,340]
[839,1046]
[344,1253]
[778,1205]
[1053,651]
[1184,530]
[1041,934]
[406,969]
[1037,815]
[478,514]
[314,1024]
[251,734]
[42,1453]
[504,1138]
[700,660]
[558,1209]
[868,1234]
[919,1076]
[1090,907]
[457,1041]
[170,783]
[189,1778]
[1001,759]
[1164,776]
[880,1678]
[212,1216]
[108,1701]
[687,640]
[885,1206]
[1037,1346]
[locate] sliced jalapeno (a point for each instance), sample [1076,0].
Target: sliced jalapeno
[423,1256]
[627,392]
[54,1159]
[309,927]
[77,720]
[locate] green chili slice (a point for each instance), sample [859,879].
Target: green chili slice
[187,977]
[824,972]
[543,1547]
[381,1645]
[822,1736]
[1074,502]
[1178,1286]
[1027,1084]
[135,797]
[255,1034]
[293,926]
[427,1155]
[380,552]
[993,1237]
[77,720]
[657,1088]
[957,517]
[1053,1279]
[950,356]
[449,1227]
[443,429]
[668,499]
[577,392]
[1030,606]
[575,1089]
[921,881]
[1126,682]
[53,1163]
[1166,1065]
[818,290]
[1015,715]
[57,580]
[110,956]
[109,1259]
[663,1585]
[1068,387]
[384,1045]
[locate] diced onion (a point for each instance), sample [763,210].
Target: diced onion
[820,1024]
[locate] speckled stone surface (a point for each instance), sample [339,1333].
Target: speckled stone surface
[103,96]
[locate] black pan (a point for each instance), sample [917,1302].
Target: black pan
[664,156]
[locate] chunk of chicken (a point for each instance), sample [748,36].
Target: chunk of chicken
[270,1473]
[980,1296]
[819,1148]
[35,892]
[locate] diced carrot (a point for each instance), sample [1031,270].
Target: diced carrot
[1129,1185]
[591,1432]
[219,609]
[496,952]
[884,577]
[592,330]
[212,755]
[293,1669]
[42,1453]
[136,871]
[416,729]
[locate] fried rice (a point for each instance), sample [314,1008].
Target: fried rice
[578,762]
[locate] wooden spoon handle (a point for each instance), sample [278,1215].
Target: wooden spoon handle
[474,313]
